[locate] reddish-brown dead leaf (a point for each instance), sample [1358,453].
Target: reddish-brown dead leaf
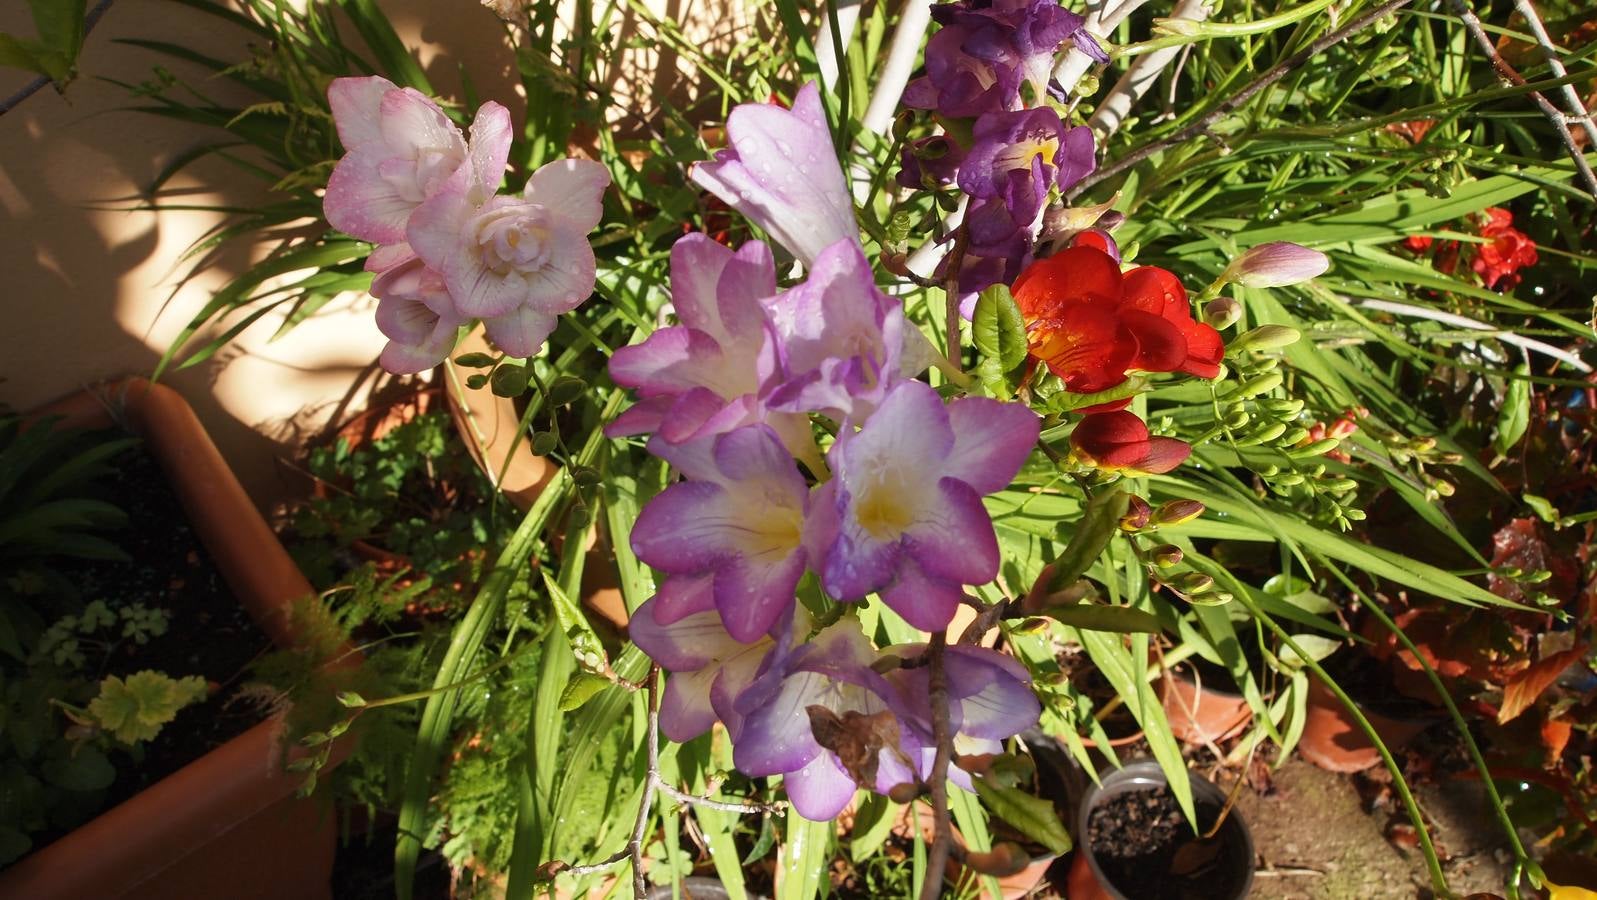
[1519,694]
[857,739]
[1555,737]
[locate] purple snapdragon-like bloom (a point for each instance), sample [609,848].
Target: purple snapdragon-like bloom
[985,51]
[833,672]
[732,532]
[842,340]
[781,172]
[711,373]
[709,668]
[903,514]
[1015,159]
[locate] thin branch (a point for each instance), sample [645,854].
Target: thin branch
[1278,72]
[1577,110]
[38,84]
[687,799]
[640,886]
[942,835]
[1507,337]
[1509,76]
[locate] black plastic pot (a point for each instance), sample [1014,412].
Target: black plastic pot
[1227,872]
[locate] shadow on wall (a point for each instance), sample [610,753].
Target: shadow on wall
[94,285]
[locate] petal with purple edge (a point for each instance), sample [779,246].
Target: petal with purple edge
[753,594]
[686,644]
[991,441]
[923,601]
[776,735]
[685,710]
[954,538]
[686,528]
[683,595]
[490,145]
[820,790]
[360,202]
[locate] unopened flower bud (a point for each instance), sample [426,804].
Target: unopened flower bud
[1317,448]
[1286,409]
[1195,583]
[1277,264]
[1174,512]
[1167,555]
[1176,26]
[1294,436]
[903,793]
[1263,384]
[1265,337]
[1237,419]
[1137,514]
[1222,313]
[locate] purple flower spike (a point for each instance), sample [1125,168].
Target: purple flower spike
[842,339]
[709,668]
[903,514]
[739,522]
[986,51]
[831,671]
[782,173]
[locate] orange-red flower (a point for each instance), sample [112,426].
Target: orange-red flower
[1091,323]
[1120,440]
[1509,251]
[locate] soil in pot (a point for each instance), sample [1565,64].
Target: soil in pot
[1145,847]
[166,608]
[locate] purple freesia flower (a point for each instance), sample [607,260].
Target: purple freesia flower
[842,340]
[781,172]
[709,668]
[989,700]
[832,671]
[1014,160]
[903,514]
[732,532]
[710,374]
[986,50]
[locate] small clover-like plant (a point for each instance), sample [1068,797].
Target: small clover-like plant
[136,708]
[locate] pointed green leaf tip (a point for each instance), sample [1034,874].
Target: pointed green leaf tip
[134,710]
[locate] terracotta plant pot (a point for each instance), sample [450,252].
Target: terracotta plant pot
[1230,865]
[1199,713]
[490,426]
[1333,741]
[228,824]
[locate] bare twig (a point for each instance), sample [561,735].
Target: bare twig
[1141,75]
[986,618]
[640,886]
[751,808]
[1577,110]
[38,84]
[942,835]
[1509,76]
[1276,73]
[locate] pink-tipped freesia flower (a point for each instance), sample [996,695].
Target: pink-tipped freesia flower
[400,149]
[416,315]
[830,675]
[1277,264]
[1120,440]
[732,532]
[523,260]
[709,668]
[903,514]
[781,172]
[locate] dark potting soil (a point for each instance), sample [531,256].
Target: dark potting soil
[363,868]
[1145,847]
[208,633]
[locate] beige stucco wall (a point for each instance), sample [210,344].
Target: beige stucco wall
[90,283]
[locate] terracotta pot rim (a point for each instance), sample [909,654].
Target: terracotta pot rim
[172,820]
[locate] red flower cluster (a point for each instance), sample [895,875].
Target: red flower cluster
[1090,323]
[1497,262]
[1343,426]
[1509,251]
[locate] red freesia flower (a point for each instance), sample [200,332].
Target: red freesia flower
[1090,323]
[1509,251]
[1120,440]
